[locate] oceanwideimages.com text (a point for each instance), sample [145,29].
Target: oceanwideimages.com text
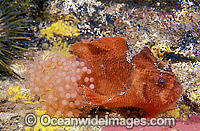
[129,123]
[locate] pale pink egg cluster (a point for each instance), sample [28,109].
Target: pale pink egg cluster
[56,81]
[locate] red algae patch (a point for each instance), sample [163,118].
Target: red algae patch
[55,80]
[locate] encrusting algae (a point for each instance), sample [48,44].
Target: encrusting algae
[61,27]
[15,94]
[174,113]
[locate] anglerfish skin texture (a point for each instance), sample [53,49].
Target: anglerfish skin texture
[143,83]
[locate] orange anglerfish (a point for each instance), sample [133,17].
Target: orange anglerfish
[142,83]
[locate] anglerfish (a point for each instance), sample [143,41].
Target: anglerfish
[143,83]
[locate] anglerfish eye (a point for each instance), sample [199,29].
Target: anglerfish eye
[161,80]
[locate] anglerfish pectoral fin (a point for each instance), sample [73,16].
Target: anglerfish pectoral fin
[124,99]
[95,98]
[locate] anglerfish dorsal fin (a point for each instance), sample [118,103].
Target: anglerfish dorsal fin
[113,45]
[146,59]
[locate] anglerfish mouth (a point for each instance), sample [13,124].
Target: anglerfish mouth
[177,88]
[171,95]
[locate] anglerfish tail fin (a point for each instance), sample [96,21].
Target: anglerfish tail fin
[94,97]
